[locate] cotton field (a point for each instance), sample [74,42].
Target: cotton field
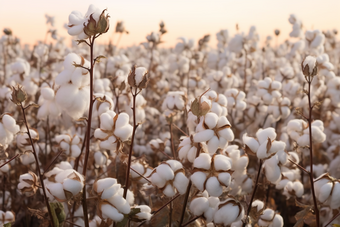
[238,134]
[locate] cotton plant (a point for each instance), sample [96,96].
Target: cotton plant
[8,129]
[298,130]
[170,178]
[229,211]
[71,145]
[235,99]
[25,145]
[187,149]
[73,92]
[205,205]
[28,184]
[211,173]
[268,90]
[111,204]
[326,191]
[215,131]
[6,217]
[48,106]
[64,183]
[114,130]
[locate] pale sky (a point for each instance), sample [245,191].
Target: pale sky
[187,18]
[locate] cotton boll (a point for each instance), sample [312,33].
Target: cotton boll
[203,161]
[120,203]
[325,192]
[203,136]
[109,211]
[198,179]
[224,178]
[145,213]
[335,200]
[181,183]
[251,143]
[169,191]
[199,205]
[222,162]
[263,135]
[157,180]
[56,189]
[165,172]
[210,119]
[72,186]
[213,187]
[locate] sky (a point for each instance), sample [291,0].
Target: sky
[182,18]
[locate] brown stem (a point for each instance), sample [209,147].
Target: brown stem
[337,215]
[170,213]
[311,156]
[254,191]
[161,208]
[135,125]
[88,132]
[190,221]
[8,161]
[172,141]
[3,192]
[38,167]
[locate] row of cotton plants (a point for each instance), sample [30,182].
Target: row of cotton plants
[244,134]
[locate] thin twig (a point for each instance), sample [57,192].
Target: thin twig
[300,167]
[8,161]
[135,125]
[190,221]
[337,215]
[254,191]
[180,129]
[54,159]
[38,167]
[140,175]
[161,208]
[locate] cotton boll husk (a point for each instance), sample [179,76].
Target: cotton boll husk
[203,161]
[165,172]
[213,187]
[203,136]
[222,162]
[198,179]
[109,211]
[199,205]
[158,180]
[120,203]
[181,183]
[72,186]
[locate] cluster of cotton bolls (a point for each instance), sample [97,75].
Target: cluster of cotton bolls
[170,178]
[63,182]
[217,125]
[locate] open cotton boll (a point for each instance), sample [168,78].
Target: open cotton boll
[158,180]
[203,135]
[57,190]
[72,186]
[199,205]
[106,120]
[311,62]
[263,134]
[210,119]
[251,143]
[124,132]
[325,192]
[203,161]
[145,212]
[213,187]
[198,179]
[181,183]
[169,191]
[258,204]
[222,162]
[228,212]
[335,200]
[165,172]
[120,203]
[109,211]
[9,124]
